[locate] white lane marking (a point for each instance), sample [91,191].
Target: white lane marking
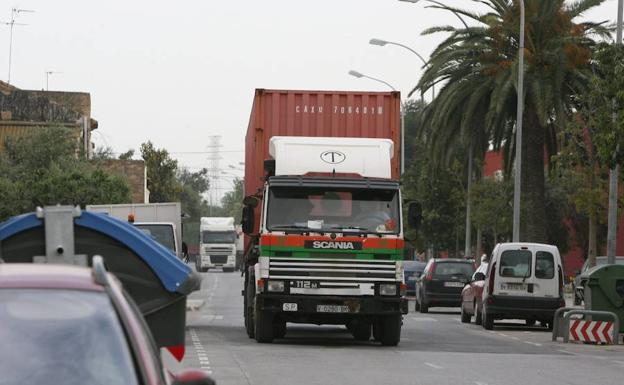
[566,352]
[618,362]
[480,383]
[532,343]
[515,338]
[424,319]
[433,365]
[204,362]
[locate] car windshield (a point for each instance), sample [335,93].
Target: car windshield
[162,234]
[62,337]
[453,268]
[333,209]
[218,236]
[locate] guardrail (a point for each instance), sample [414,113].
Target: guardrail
[561,324]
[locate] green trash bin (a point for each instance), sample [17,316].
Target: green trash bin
[604,290]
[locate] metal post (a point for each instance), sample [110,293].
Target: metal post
[520,107]
[614,173]
[468,201]
[10,49]
[402,138]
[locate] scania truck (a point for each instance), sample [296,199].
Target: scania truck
[323,214]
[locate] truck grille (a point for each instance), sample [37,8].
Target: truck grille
[218,250]
[220,259]
[333,276]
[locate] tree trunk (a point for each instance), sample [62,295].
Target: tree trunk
[591,250]
[532,191]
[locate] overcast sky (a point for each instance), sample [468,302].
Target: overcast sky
[177,72]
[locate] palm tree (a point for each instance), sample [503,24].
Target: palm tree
[478,67]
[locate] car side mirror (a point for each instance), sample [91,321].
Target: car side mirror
[414,215]
[479,276]
[193,377]
[248,219]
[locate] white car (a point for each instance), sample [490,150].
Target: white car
[523,281]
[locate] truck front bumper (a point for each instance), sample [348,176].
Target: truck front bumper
[329,307]
[206,261]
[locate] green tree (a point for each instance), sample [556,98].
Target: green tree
[232,201]
[492,203]
[478,66]
[194,186]
[161,174]
[43,168]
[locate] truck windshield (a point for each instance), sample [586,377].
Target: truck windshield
[218,236]
[162,234]
[333,209]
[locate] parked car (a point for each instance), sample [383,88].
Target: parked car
[576,284]
[412,270]
[442,282]
[471,296]
[75,325]
[524,281]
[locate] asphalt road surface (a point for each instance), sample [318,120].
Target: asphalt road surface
[435,348]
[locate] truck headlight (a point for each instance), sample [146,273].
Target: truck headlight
[388,289]
[276,286]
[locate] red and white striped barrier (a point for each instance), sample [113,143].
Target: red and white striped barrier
[591,331]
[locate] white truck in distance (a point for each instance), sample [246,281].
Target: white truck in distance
[162,221]
[217,244]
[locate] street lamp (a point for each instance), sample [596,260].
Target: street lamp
[382,43]
[361,75]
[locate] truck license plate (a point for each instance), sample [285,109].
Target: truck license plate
[332,309]
[299,284]
[289,307]
[453,284]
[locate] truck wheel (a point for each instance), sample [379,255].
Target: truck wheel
[279,328]
[487,321]
[530,322]
[264,326]
[248,307]
[465,317]
[361,331]
[390,330]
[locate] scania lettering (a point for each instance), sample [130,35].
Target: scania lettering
[322,217]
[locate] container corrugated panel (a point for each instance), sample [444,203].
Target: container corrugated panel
[317,114]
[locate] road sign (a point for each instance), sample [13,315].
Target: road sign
[591,331]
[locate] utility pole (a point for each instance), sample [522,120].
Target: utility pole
[614,173]
[14,13]
[520,108]
[467,247]
[48,73]
[213,170]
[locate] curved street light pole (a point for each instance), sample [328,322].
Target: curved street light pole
[361,75]
[381,43]
[520,108]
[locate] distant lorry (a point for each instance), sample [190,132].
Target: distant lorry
[217,244]
[323,214]
[161,221]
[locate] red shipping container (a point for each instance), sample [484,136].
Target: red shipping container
[317,114]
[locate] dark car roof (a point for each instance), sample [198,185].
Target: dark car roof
[437,260]
[413,265]
[31,276]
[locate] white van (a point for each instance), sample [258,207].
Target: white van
[523,281]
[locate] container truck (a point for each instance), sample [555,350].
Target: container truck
[323,214]
[217,244]
[161,221]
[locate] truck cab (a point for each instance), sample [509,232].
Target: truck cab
[217,244]
[329,246]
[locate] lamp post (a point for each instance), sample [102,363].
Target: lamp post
[361,75]
[614,173]
[382,43]
[519,110]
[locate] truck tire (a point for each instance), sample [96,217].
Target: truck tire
[390,330]
[263,326]
[248,306]
[361,331]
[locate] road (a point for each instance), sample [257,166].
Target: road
[435,348]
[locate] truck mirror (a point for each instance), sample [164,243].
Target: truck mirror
[248,219]
[414,215]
